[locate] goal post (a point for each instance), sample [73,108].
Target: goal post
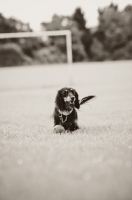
[66,33]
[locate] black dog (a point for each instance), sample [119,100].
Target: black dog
[65,113]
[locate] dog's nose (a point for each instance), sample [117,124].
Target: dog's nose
[72,98]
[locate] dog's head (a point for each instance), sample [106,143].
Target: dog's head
[66,99]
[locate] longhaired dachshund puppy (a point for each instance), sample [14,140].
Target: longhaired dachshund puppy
[66,103]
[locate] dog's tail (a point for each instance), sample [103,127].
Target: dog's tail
[85,99]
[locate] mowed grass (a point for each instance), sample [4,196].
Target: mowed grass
[93,163]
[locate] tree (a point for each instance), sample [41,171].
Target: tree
[111,24]
[12,25]
[78,17]
[98,51]
[114,29]
[67,23]
[27,45]
[86,36]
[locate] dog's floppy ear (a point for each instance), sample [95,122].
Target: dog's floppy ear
[59,101]
[77,105]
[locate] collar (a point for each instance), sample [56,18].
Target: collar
[65,113]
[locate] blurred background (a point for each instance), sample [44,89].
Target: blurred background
[101,31]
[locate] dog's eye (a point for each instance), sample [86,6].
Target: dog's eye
[65,93]
[73,91]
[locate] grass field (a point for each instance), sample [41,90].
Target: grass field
[93,163]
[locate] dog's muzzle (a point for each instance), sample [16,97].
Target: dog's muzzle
[72,100]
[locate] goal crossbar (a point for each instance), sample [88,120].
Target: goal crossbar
[66,33]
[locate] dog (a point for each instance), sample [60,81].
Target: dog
[66,103]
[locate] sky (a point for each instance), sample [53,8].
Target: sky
[37,11]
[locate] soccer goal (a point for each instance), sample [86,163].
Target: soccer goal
[43,34]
